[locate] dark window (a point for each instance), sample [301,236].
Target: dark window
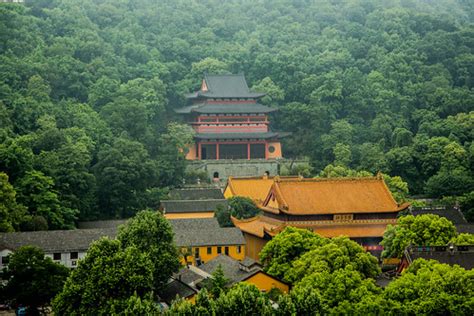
[208,119]
[257,151]
[233,151]
[239,249]
[209,250]
[57,256]
[232,119]
[219,249]
[5,260]
[74,255]
[208,151]
[226,250]
[271,149]
[196,252]
[216,175]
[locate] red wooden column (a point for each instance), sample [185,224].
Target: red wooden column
[266,150]
[248,151]
[217,151]
[199,151]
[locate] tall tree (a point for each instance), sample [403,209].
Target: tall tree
[32,279]
[151,233]
[105,280]
[428,229]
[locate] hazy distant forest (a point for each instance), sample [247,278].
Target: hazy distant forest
[88,88]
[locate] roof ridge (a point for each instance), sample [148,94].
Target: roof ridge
[318,179]
[244,220]
[198,200]
[222,75]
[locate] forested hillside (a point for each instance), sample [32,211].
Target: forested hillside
[88,88]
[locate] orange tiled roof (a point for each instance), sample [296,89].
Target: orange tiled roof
[259,225]
[331,196]
[255,188]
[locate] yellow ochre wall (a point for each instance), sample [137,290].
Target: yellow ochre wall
[191,152]
[189,215]
[276,153]
[228,193]
[205,257]
[265,282]
[253,246]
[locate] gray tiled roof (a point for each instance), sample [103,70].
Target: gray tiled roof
[188,232]
[197,194]
[194,223]
[175,288]
[233,108]
[188,276]
[205,232]
[461,255]
[226,86]
[191,206]
[230,267]
[266,135]
[112,223]
[56,240]
[465,228]
[454,215]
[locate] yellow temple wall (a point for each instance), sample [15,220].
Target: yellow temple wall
[205,257]
[254,245]
[189,215]
[191,152]
[265,283]
[276,153]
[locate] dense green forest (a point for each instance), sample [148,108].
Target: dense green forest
[88,88]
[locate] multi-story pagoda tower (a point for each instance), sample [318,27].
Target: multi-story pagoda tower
[229,122]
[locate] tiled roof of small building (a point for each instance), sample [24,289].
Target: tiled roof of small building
[204,232]
[453,214]
[56,240]
[465,228]
[188,276]
[331,196]
[230,267]
[191,206]
[176,288]
[460,255]
[196,194]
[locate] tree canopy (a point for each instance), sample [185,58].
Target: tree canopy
[296,253]
[428,229]
[151,234]
[240,207]
[428,288]
[120,276]
[32,279]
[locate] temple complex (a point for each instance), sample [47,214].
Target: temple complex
[359,208]
[229,122]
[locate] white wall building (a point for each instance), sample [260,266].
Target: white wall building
[63,246]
